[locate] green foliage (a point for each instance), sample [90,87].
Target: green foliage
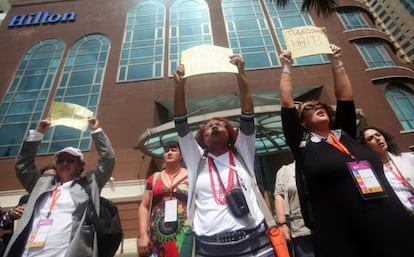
[321,7]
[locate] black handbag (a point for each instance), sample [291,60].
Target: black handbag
[237,203]
[235,198]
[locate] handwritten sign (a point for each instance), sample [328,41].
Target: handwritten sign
[207,59]
[306,40]
[70,115]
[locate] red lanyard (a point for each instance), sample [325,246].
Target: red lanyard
[333,140]
[55,196]
[220,197]
[398,175]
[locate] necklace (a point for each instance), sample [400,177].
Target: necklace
[220,193]
[172,175]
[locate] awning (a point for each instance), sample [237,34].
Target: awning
[269,134]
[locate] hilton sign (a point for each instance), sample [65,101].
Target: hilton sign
[38,18]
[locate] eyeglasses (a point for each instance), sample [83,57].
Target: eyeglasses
[67,160]
[221,124]
[309,107]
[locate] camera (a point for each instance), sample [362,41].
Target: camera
[237,203]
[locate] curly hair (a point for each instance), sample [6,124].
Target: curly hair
[230,130]
[330,111]
[392,147]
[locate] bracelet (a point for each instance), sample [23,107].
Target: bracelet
[279,224]
[338,64]
[287,72]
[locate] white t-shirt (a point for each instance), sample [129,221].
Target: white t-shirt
[211,218]
[404,164]
[58,238]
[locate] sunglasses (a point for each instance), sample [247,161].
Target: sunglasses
[310,107]
[221,124]
[67,160]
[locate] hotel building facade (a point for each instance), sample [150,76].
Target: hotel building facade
[117,58]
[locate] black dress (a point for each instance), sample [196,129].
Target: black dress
[344,223]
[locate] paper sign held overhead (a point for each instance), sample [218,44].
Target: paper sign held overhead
[207,59]
[69,115]
[306,40]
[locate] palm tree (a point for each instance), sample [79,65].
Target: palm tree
[324,7]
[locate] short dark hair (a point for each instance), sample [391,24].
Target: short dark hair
[171,144]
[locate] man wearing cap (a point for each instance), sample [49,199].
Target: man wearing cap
[54,221]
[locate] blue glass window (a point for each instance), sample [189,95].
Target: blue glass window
[352,19]
[288,17]
[81,84]
[401,99]
[374,53]
[248,33]
[24,102]
[189,27]
[142,53]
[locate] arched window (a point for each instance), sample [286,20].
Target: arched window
[401,99]
[374,54]
[249,33]
[291,16]
[24,102]
[142,53]
[189,26]
[352,19]
[81,84]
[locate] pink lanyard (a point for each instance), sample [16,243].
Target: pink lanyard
[398,175]
[220,196]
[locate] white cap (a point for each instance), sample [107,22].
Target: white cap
[72,151]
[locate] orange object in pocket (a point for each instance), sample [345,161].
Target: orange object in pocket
[278,242]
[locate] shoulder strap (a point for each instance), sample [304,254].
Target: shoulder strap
[191,204]
[260,200]
[155,178]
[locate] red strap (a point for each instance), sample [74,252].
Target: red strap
[333,140]
[219,196]
[397,174]
[55,197]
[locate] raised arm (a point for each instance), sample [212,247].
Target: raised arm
[342,84]
[25,166]
[179,91]
[286,85]
[106,161]
[246,101]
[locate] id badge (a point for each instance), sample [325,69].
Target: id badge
[411,200]
[366,180]
[39,234]
[170,210]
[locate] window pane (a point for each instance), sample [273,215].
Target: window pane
[248,33]
[189,26]
[24,100]
[147,25]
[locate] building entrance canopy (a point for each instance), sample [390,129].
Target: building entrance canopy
[269,134]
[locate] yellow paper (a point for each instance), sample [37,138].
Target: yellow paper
[70,115]
[306,40]
[207,59]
